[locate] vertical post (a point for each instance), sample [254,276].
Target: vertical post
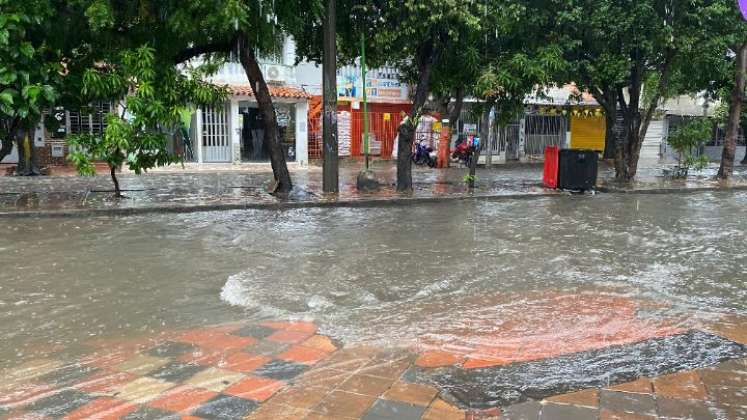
[522,137]
[302,135]
[330,182]
[234,131]
[198,134]
[365,97]
[489,139]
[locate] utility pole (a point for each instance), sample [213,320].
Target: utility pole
[365,98]
[330,167]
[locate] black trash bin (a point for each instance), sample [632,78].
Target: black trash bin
[577,169]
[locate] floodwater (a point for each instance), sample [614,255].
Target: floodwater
[457,272]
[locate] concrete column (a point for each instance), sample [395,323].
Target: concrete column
[302,133]
[234,130]
[198,134]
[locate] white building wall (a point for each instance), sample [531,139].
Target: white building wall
[302,133]
[12,157]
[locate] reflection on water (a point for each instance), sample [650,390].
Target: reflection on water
[450,272]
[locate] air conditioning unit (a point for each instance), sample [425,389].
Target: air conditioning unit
[274,74]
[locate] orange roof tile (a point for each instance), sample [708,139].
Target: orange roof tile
[276,91]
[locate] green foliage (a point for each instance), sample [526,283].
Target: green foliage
[688,137]
[29,67]
[153,99]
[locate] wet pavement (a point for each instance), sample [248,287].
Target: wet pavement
[611,306]
[212,187]
[287,370]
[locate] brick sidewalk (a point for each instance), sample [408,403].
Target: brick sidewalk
[286,370]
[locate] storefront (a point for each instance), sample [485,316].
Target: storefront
[234,132]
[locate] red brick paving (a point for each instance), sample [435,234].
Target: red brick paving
[347,382]
[104,408]
[303,354]
[182,399]
[244,362]
[255,388]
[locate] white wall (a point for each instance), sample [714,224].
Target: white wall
[309,77]
[302,133]
[12,157]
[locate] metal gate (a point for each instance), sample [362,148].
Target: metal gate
[508,140]
[542,131]
[216,141]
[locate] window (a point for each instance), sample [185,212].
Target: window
[92,120]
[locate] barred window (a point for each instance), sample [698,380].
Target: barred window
[91,120]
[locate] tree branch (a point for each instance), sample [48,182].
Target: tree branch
[621,100]
[601,98]
[198,50]
[660,91]
[457,108]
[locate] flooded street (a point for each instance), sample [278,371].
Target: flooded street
[557,269]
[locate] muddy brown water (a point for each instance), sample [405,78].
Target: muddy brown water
[433,272]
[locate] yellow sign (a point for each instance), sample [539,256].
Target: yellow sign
[436,126]
[387,116]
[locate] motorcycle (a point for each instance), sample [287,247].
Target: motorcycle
[465,150]
[424,154]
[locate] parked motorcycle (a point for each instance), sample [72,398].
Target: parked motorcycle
[464,150]
[424,154]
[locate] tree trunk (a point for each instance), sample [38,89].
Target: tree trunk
[267,110]
[456,110]
[610,138]
[626,159]
[113,174]
[636,122]
[27,165]
[426,57]
[610,134]
[330,164]
[484,134]
[735,113]
[607,98]
[406,134]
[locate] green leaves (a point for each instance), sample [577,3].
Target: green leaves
[689,137]
[100,15]
[27,81]
[153,92]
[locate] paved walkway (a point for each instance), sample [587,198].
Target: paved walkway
[287,370]
[195,188]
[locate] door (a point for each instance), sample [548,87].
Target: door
[216,141]
[253,148]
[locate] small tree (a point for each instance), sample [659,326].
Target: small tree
[687,138]
[153,98]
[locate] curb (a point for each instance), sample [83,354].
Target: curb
[280,206]
[361,203]
[614,190]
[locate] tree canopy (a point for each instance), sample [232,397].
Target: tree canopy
[30,70]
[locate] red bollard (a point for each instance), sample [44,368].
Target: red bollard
[550,175]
